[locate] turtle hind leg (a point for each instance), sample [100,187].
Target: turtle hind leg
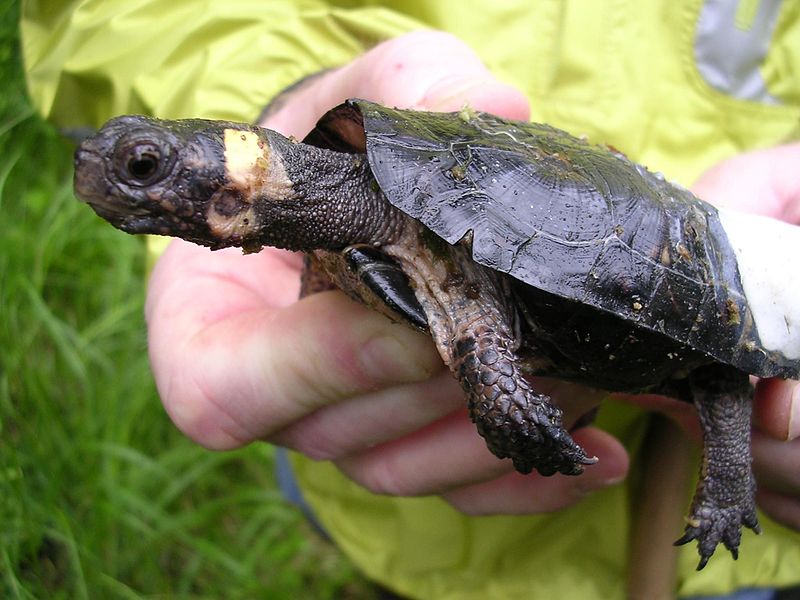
[515,421]
[724,500]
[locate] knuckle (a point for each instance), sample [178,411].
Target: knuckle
[342,350]
[380,476]
[315,449]
[319,348]
[197,411]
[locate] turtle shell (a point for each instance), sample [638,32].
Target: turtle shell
[576,220]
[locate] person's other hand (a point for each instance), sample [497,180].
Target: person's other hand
[761,182]
[765,182]
[237,358]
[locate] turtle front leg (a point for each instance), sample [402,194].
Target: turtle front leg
[515,421]
[724,500]
[471,313]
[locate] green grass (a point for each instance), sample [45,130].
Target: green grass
[100,496]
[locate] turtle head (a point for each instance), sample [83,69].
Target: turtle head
[194,179]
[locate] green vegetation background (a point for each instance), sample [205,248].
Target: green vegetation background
[100,496]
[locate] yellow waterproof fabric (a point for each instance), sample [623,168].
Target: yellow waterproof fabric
[622,72]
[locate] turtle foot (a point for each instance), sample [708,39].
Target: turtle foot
[711,525]
[724,500]
[515,421]
[549,451]
[526,428]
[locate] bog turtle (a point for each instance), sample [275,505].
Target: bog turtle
[521,249]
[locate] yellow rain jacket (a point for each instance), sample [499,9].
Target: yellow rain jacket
[675,84]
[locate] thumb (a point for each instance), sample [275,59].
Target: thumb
[435,71]
[424,70]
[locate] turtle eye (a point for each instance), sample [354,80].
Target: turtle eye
[143,167]
[142,164]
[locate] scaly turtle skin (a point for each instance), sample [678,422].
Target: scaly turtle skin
[521,249]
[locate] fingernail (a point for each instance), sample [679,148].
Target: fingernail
[389,359]
[794,414]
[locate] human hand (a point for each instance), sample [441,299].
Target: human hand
[237,359]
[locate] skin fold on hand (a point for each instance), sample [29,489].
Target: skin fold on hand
[237,358]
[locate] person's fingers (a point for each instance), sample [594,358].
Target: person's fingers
[683,413]
[424,70]
[365,421]
[782,508]
[452,452]
[514,493]
[777,464]
[776,461]
[446,453]
[237,369]
[777,408]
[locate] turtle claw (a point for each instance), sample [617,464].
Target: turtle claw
[687,537]
[536,443]
[711,526]
[527,429]
[724,501]
[548,454]
[516,422]
[703,562]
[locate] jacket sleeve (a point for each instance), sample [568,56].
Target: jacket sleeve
[88,61]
